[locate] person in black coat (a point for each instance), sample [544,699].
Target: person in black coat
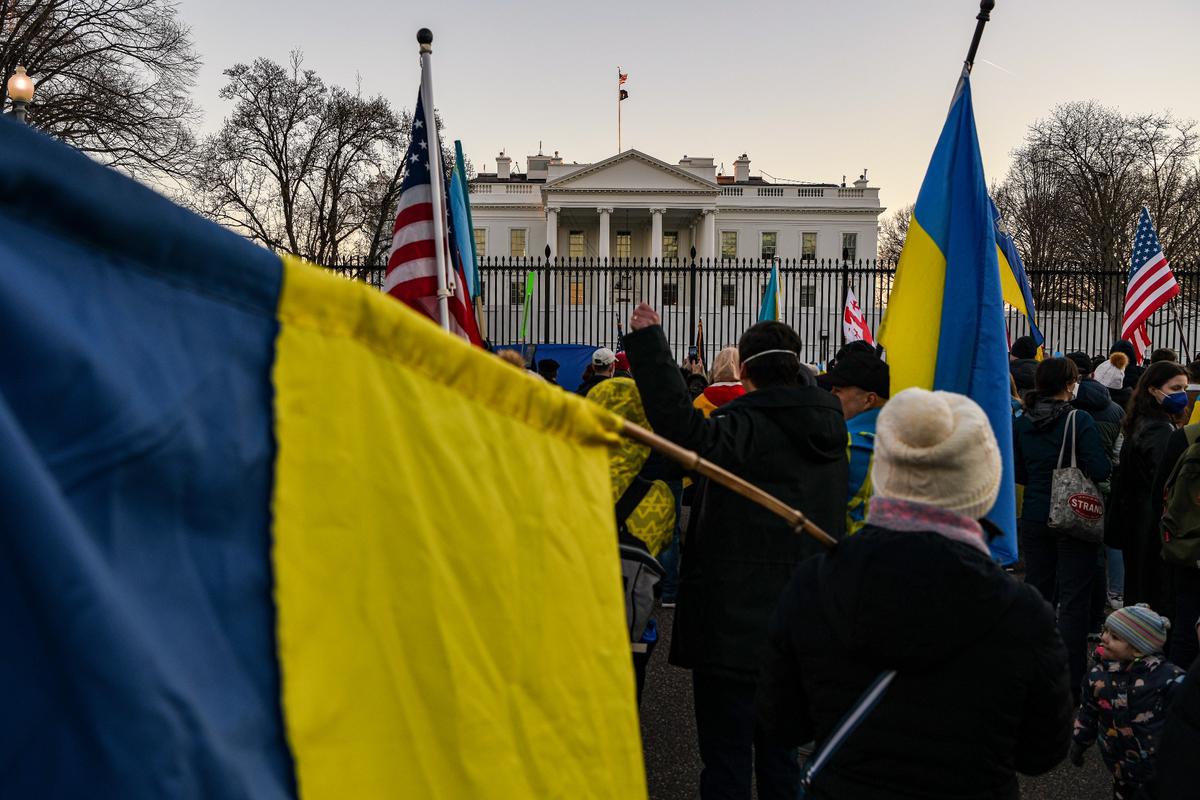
[1022,362]
[1177,771]
[981,690]
[1182,647]
[1137,496]
[1060,566]
[788,437]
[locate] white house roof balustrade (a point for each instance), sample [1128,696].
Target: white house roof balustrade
[635,205]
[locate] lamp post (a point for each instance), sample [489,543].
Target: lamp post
[20,91]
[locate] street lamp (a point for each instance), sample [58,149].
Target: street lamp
[20,91]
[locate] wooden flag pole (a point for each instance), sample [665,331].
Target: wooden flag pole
[694,463]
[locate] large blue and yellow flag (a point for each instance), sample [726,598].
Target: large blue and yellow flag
[944,325]
[268,533]
[1013,280]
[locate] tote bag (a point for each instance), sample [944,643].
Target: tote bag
[1076,506]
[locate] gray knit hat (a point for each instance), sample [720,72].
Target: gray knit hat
[937,448]
[1141,627]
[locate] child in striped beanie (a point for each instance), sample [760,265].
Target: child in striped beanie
[1126,698]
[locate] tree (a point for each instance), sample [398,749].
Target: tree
[113,77]
[300,166]
[1075,188]
[303,167]
[893,232]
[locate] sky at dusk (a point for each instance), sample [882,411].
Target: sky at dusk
[810,90]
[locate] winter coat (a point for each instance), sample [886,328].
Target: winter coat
[1038,440]
[1176,769]
[1135,513]
[716,395]
[737,556]
[591,382]
[982,690]
[861,452]
[1124,706]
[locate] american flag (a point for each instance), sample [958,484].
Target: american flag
[621,76]
[1151,285]
[412,263]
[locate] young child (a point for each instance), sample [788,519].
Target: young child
[1126,698]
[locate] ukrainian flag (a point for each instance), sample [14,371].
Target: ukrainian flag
[1013,279]
[269,533]
[769,310]
[944,325]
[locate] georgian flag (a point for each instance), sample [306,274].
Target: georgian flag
[854,323]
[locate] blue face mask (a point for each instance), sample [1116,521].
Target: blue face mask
[1174,402]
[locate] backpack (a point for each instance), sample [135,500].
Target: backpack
[1181,517]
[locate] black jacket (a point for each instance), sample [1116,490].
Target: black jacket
[592,382]
[737,557]
[982,690]
[1038,437]
[1136,513]
[1177,768]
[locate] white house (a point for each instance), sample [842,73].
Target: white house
[634,205]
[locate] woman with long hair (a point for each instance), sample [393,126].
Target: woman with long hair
[1149,422]
[1061,567]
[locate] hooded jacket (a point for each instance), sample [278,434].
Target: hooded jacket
[1038,440]
[1094,398]
[737,557]
[982,689]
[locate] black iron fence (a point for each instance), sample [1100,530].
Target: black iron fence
[711,302]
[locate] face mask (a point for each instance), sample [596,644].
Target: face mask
[1174,402]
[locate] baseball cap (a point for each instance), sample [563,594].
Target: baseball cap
[867,371]
[603,357]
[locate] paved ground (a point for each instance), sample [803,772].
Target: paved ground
[673,765]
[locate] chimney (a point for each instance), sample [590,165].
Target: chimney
[861,183]
[741,169]
[503,166]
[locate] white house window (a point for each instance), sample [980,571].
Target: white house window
[670,294]
[808,295]
[670,244]
[623,287]
[481,242]
[768,242]
[516,242]
[729,244]
[808,246]
[624,244]
[576,247]
[575,297]
[728,294]
[849,246]
[516,291]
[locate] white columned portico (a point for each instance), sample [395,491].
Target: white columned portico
[708,237]
[656,236]
[552,230]
[605,237]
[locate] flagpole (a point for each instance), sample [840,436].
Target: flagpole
[1187,351]
[694,463]
[436,177]
[618,110]
[985,14]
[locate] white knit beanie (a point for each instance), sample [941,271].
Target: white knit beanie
[937,448]
[1109,375]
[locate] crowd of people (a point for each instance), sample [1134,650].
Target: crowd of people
[956,673]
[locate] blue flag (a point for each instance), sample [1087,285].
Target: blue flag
[769,310]
[944,328]
[462,244]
